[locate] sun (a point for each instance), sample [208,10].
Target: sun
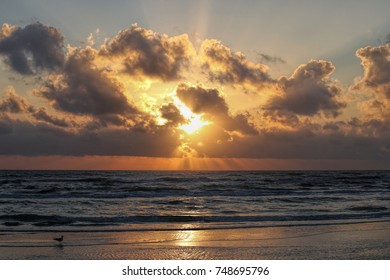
[194,121]
[194,124]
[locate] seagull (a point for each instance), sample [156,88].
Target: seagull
[59,239]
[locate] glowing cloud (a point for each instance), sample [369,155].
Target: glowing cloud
[146,94]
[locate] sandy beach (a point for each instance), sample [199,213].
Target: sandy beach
[353,241]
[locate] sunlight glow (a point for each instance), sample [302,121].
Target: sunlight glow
[195,124]
[184,110]
[195,121]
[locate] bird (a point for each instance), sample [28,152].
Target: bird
[59,239]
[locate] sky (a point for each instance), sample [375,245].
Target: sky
[172,84]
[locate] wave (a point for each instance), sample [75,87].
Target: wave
[40,200]
[193,228]
[56,220]
[368,208]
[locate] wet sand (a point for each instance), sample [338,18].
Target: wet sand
[354,241]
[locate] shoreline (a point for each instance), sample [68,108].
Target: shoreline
[368,240]
[252,226]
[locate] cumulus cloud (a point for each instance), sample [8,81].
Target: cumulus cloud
[85,108]
[210,102]
[172,114]
[228,67]
[309,91]
[84,89]
[145,53]
[376,64]
[13,103]
[201,100]
[32,48]
[16,104]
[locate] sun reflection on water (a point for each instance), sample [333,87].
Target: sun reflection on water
[187,238]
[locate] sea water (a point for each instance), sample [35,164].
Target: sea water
[78,201]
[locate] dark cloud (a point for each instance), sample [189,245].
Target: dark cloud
[201,100]
[305,142]
[265,58]
[5,127]
[13,103]
[107,120]
[86,90]
[32,48]
[213,105]
[17,105]
[172,114]
[146,53]
[5,124]
[25,138]
[226,67]
[376,64]
[279,117]
[42,115]
[309,91]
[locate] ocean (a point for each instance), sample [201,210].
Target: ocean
[78,201]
